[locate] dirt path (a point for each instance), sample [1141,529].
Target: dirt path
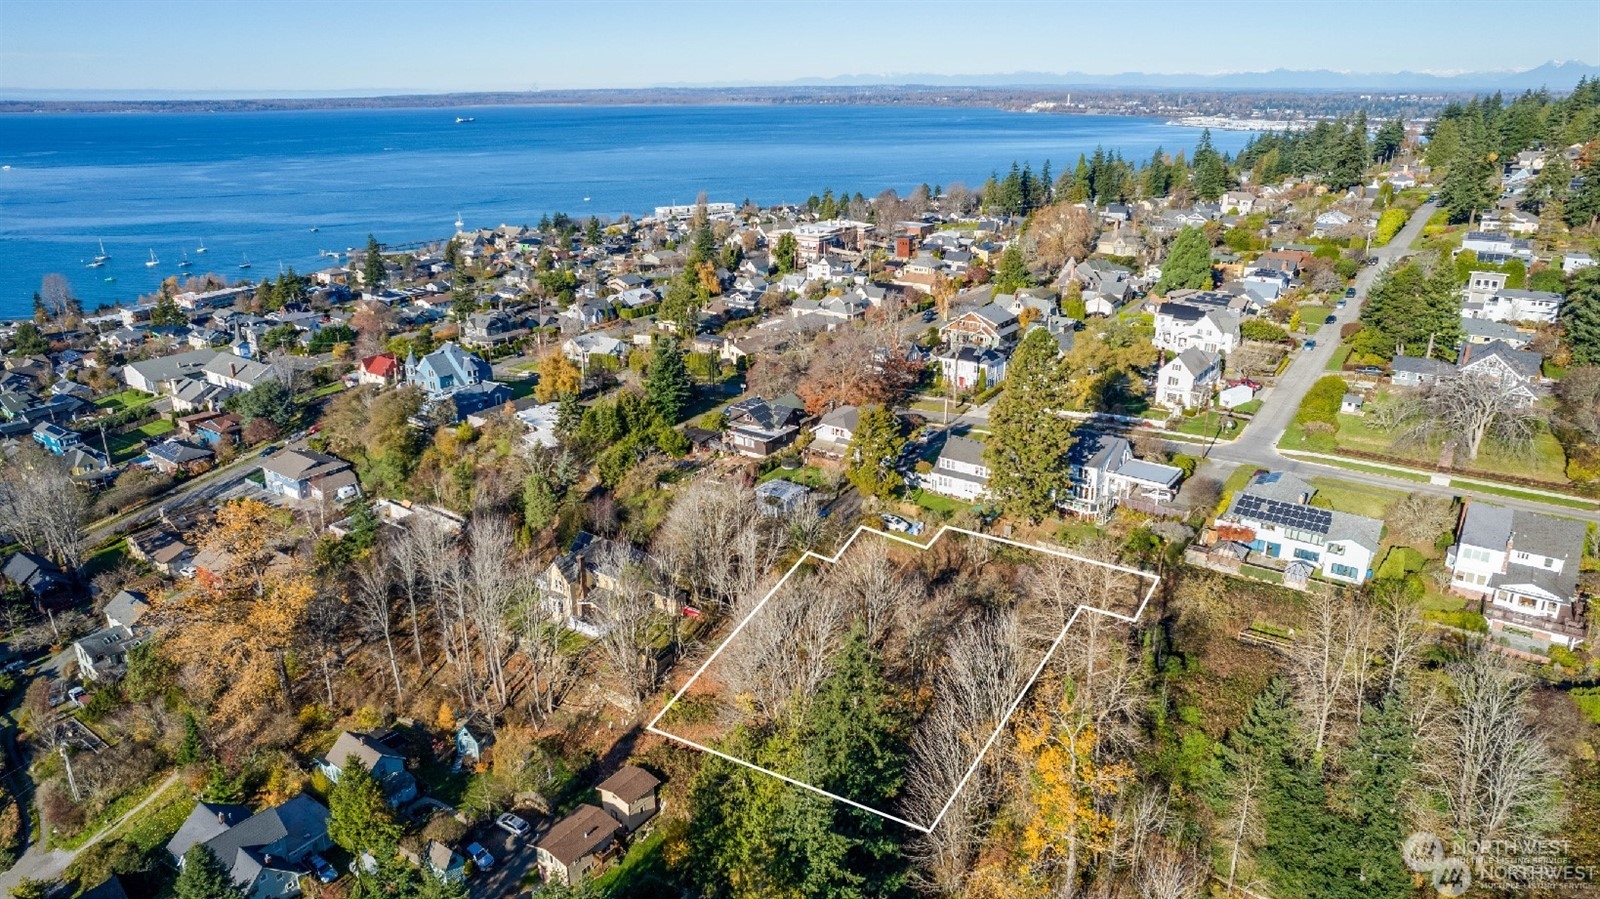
[39,863]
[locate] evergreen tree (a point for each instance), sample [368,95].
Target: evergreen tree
[668,383]
[569,413]
[1351,156]
[1466,189]
[1210,170]
[874,446]
[372,267]
[1028,442]
[1580,316]
[785,254]
[203,877]
[1012,274]
[1390,138]
[359,818]
[1157,176]
[1188,263]
[1378,768]
[28,340]
[166,311]
[1583,206]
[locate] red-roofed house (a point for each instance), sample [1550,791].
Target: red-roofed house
[382,369]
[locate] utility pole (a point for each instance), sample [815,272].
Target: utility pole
[71,781]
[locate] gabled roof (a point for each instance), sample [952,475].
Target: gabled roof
[1525,363]
[366,750]
[630,784]
[206,821]
[177,452]
[301,819]
[845,418]
[579,834]
[383,365]
[303,465]
[962,449]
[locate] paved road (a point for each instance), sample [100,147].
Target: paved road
[41,864]
[1258,443]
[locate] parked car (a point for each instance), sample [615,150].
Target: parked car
[267,451]
[1332,319]
[14,666]
[480,856]
[1372,260]
[321,869]
[929,315]
[1310,344]
[1369,370]
[895,523]
[1341,304]
[1349,292]
[76,695]
[512,824]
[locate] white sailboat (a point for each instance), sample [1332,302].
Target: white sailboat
[103,254]
[201,248]
[459,222]
[153,260]
[97,263]
[185,261]
[246,262]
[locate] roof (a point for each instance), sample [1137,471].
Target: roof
[962,449]
[781,491]
[127,607]
[579,834]
[630,783]
[300,819]
[178,452]
[1196,361]
[845,418]
[1279,485]
[303,465]
[1525,363]
[366,750]
[1290,515]
[1416,366]
[169,368]
[383,365]
[1358,529]
[110,888]
[1097,450]
[206,821]
[767,416]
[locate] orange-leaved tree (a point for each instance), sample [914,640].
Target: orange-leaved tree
[232,632]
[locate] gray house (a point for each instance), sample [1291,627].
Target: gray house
[387,766]
[263,852]
[305,475]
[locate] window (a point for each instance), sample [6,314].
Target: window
[1308,555]
[1172,380]
[1549,562]
[1348,572]
[1336,549]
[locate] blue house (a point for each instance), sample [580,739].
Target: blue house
[446,370]
[55,438]
[472,738]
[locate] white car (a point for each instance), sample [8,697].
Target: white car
[896,523]
[512,824]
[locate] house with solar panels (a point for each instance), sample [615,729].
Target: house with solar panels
[1273,516]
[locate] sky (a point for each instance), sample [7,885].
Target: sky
[249,48]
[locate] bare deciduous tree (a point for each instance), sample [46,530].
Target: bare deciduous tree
[1419,517]
[370,596]
[1494,773]
[1323,660]
[1471,408]
[1058,233]
[631,626]
[41,506]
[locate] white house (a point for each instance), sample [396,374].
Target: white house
[1571,262]
[1496,248]
[583,348]
[969,367]
[1180,326]
[1187,380]
[1330,221]
[833,433]
[1105,473]
[960,471]
[1273,516]
[1524,567]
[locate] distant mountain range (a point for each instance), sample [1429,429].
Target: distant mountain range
[1558,76]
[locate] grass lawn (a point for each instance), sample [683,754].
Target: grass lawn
[1378,469]
[935,502]
[1354,499]
[1249,408]
[1569,502]
[1546,463]
[1338,360]
[126,445]
[116,809]
[127,399]
[328,390]
[1312,317]
[806,476]
[1238,479]
[529,365]
[1206,424]
[106,557]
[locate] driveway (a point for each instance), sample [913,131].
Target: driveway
[514,859]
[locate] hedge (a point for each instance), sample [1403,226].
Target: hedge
[1322,401]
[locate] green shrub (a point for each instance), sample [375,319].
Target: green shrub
[1186,464]
[1462,619]
[1587,698]
[1322,401]
[1401,561]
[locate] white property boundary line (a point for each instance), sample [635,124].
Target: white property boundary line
[1155,580]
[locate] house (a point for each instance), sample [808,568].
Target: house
[103,655]
[1187,380]
[1410,371]
[1517,370]
[1239,202]
[1484,331]
[1352,404]
[163,549]
[1572,262]
[446,370]
[1496,248]
[110,888]
[584,348]
[1523,566]
[758,428]
[439,860]
[576,845]
[306,475]
[574,582]
[1105,473]
[382,370]
[630,796]
[1513,305]
[263,852]
[1104,286]
[173,456]
[387,767]
[473,739]
[489,329]
[1120,241]
[780,497]
[970,367]
[37,576]
[832,435]
[55,438]
[990,327]
[960,470]
[1329,222]
[1180,326]
[1272,515]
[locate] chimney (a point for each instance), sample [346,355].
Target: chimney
[583,577]
[222,818]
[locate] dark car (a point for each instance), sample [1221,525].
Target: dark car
[1372,260]
[1330,319]
[1350,292]
[1369,370]
[320,867]
[1311,344]
[929,315]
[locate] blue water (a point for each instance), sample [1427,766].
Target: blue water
[255,184]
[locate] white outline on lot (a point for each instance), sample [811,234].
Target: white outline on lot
[1154,579]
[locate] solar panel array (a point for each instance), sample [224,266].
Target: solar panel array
[1288,515]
